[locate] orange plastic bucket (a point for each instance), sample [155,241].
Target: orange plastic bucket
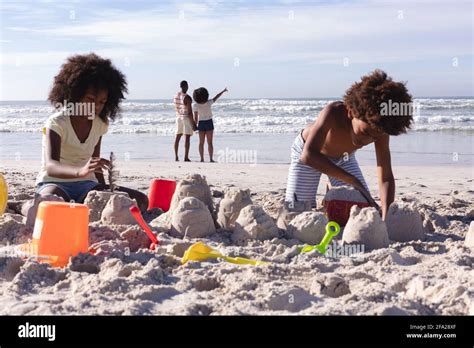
[61,231]
[161,192]
[339,211]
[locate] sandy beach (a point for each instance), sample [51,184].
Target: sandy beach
[433,276]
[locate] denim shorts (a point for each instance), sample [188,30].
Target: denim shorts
[205,126]
[76,190]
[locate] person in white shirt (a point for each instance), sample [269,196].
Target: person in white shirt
[71,164]
[203,119]
[184,120]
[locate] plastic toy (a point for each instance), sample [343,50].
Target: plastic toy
[61,231]
[332,230]
[138,216]
[161,192]
[200,252]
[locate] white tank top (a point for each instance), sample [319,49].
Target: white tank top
[181,109]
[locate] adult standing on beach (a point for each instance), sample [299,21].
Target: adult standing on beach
[184,120]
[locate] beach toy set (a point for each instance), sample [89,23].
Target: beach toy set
[62,229]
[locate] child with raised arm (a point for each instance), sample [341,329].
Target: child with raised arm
[328,146]
[203,119]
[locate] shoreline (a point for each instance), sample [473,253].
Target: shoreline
[428,179]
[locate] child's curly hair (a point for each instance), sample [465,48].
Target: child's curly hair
[366,98]
[89,70]
[201,95]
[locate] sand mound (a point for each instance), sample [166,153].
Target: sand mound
[34,276]
[192,186]
[86,263]
[254,223]
[344,193]
[431,220]
[13,230]
[309,227]
[97,200]
[469,241]
[231,205]
[365,227]
[163,222]
[117,211]
[404,223]
[330,285]
[136,238]
[292,300]
[289,211]
[192,219]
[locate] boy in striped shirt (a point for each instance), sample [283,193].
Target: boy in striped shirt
[329,144]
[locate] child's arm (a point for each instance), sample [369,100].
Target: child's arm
[219,95]
[313,157]
[384,173]
[60,170]
[196,119]
[189,103]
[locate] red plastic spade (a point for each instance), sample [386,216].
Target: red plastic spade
[138,216]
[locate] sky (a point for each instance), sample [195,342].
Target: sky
[258,49]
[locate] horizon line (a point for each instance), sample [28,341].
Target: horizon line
[269,98]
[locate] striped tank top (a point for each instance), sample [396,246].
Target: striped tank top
[181,109]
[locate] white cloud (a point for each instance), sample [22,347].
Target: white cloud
[322,33]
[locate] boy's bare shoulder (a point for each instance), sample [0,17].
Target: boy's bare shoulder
[333,112]
[335,107]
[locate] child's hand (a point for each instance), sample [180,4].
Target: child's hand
[358,186]
[94,165]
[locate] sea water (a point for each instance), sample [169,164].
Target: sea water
[261,130]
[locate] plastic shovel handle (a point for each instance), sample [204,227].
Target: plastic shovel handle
[243,261]
[330,234]
[138,216]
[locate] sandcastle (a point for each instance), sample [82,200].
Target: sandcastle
[193,185]
[97,200]
[365,226]
[404,223]
[308,227]
[289,211]
[231,205]
[254,223]
[192,219]
[117,211]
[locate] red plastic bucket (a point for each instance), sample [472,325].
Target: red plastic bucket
[339,211]
[161,192]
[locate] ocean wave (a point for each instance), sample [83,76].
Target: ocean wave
[237,115]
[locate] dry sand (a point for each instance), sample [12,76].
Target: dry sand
[431,275]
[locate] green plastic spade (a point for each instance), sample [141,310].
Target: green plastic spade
[332,230]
